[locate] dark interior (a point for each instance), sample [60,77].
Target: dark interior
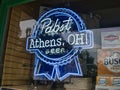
[108,11]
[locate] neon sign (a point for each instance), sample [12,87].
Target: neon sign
[57,37]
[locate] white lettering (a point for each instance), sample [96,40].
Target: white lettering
[47,51]
[45,24]
[32,43]
[47,43]
[57,26]
[52,51]
[77,39]
[68,24]
[55,51]
[59,42]
[71,39]
[52,43]
[39,43]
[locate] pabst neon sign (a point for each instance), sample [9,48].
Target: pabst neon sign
[57,37]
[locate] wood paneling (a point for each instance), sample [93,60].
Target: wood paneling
[17,62]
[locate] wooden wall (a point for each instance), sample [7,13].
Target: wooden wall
[17,62]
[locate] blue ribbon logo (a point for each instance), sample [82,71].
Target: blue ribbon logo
[57,37]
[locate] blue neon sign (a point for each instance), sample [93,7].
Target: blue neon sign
[57,37]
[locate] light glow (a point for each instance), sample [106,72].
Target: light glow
[55,57]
